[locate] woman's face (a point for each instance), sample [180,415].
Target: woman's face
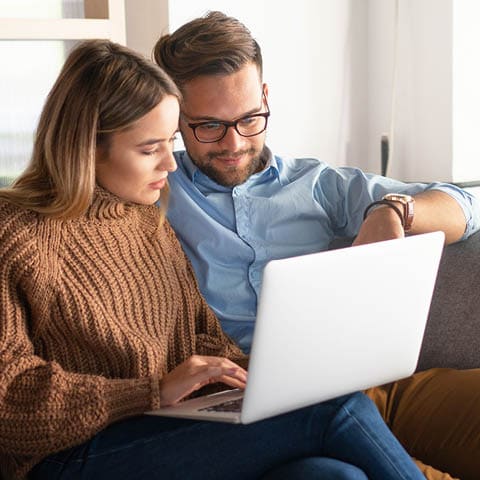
[138,159]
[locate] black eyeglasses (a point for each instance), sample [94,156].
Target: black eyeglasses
[214,130]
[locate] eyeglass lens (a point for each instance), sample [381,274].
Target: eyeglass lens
[247,127]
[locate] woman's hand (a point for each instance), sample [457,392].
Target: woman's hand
[195,373]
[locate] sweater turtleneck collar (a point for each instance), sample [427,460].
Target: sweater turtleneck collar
[106,205]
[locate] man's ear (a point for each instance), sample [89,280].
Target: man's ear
[265,90]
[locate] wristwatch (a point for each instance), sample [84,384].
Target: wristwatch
[407,202]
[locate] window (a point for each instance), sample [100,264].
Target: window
[35,38]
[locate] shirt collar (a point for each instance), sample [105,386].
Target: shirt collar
[190,168]
[274,167]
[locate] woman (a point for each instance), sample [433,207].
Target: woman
[101,319]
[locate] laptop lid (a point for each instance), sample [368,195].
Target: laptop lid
[339,321]
[332,323]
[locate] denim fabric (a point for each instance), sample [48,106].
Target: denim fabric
[348,428]
[313,468]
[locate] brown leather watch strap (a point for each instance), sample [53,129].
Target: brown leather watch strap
[407,203]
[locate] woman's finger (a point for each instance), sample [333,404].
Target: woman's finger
[195,373]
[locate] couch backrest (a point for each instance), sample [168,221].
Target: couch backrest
[452,335]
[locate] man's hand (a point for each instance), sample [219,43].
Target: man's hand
[196,372]
[383,223]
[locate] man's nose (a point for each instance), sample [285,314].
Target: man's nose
[232,140]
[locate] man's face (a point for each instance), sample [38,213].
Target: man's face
[231,160]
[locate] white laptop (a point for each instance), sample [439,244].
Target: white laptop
[329,324]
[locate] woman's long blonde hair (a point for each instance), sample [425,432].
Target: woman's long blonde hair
[103,88]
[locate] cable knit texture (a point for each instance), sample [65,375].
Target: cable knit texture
[93,311]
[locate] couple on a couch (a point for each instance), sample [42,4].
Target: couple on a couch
[101,316]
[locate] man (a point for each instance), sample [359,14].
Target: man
[235,206]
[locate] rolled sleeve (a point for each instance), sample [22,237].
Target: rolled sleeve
[468,202]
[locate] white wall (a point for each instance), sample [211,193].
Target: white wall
[410,83]
[146,21]
[466,90]
[343,72]
[436,95]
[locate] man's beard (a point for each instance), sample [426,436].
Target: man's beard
[233,176]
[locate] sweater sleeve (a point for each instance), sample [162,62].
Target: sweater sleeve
[44,408]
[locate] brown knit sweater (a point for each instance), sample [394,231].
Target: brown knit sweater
[93,311]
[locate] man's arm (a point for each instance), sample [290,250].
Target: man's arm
[434,210]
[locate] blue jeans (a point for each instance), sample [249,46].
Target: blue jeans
[348,429]
[313,468]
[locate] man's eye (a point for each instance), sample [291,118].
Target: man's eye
[151,152]
[247,121]
[211,126]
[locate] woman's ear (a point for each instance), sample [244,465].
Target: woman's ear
[101,153]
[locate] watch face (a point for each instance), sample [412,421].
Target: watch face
[407,202]
[398,197]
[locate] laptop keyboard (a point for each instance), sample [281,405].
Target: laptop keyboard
[228,406]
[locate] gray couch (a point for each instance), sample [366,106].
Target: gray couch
[452,335]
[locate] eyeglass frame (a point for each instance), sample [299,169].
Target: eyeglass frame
[233,124]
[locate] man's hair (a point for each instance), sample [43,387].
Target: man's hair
[214,44]
[102,88]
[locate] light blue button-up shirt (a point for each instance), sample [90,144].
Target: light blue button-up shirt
[292,207]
